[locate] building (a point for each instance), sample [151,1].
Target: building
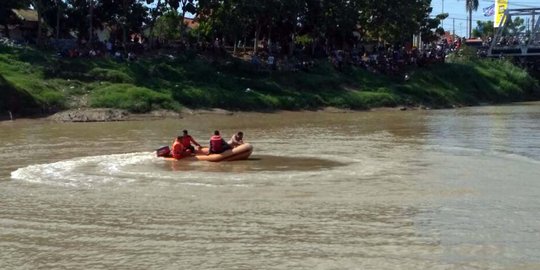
[191,23]
[23,24]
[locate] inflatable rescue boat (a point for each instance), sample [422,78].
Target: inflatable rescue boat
[240,152]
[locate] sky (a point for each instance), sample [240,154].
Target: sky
[456,10]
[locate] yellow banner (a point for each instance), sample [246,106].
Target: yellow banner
[500,8]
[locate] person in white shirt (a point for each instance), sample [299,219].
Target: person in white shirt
[237,139]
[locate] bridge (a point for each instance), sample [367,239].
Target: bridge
[512,40]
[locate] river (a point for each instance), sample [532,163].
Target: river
[444,189]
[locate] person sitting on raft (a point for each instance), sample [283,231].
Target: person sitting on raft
[217,144]
[187,140]
[178,148]
[237,139]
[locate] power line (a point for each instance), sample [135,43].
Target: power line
[518,4]
[464,19]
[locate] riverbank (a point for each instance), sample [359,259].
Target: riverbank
[38,83]
[114,115]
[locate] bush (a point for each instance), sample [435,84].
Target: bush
[166,71]
[364,100]
[37,79]
[53,99]
[131,98]
[110,75]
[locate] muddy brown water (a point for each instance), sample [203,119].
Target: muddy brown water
[449,189]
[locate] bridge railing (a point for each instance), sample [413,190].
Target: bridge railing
[510,40]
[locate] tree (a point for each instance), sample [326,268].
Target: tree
[39,6]
[167,26]
[431,30]
[334,23]
[54,14]
[258,14]
[515,26]
[470,6]
[154,12]
[127,15]
[484,29]
[226,20]
[79,17]
[384,20]
[185,6]
[340,20]
[288,26]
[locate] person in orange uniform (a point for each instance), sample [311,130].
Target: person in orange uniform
[187,140]
[217,144]
[178,148]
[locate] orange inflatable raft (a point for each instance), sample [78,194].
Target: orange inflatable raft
[240,152]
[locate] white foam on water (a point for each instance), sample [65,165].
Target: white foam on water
[122,169]
[200,184]
[85,171]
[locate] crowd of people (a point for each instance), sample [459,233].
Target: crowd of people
[389,59]
[184,145]
[377,58]
[98,49]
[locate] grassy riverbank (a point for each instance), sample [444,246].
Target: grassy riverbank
[32,81]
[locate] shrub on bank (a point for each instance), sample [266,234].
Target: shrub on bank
[132,98]
[361,100]
[470,82]
[198,82]
[110,75]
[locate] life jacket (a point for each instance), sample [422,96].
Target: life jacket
[186,140]
[177,150]
[216,144]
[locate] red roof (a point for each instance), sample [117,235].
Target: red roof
[191,23]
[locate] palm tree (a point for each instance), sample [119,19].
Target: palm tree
[471,5]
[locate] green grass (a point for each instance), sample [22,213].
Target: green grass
[111,75]
[470,82]
[132,98]
[21,73]
[43,82]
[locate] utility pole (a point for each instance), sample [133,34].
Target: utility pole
[442,12]
[453,29]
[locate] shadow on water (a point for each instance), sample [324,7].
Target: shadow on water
[258,163]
